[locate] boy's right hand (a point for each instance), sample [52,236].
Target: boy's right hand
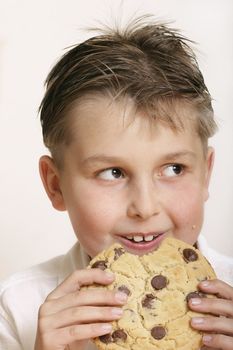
[70,317]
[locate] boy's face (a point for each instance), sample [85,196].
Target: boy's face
[130,180]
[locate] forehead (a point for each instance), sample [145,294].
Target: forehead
[98,112]
[102,126]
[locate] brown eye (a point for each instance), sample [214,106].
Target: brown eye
[117,173]
[173,170]
[177,168]
[111,174]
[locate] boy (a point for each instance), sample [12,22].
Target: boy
[126,117]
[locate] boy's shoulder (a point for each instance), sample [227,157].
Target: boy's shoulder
[28,287]
[46,275]
[44,270]
[22,294]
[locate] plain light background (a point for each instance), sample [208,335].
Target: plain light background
[33,35]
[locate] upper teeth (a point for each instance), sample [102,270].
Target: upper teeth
[141,238]
[149,238]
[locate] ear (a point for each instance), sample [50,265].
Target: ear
[50,177]
[209,168]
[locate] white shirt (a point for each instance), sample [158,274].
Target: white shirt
[22,294]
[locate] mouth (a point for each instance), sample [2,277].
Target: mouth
[140,238]
[141,243]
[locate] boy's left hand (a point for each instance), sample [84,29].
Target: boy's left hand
[219,324]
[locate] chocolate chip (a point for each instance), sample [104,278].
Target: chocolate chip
[119,334]
[158,332]
[148,301]
[195,294]
[124,289]
[106,338]
[101,264]
[189,255]
[118,252]
[159,282]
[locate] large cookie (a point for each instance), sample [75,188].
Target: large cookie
[158,285]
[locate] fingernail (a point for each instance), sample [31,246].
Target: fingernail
[106,327]
[109,275]
[121,297]
[207,338]
[195,301]
[197,320]
[205,283]
[116,311]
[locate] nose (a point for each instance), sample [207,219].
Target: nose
[143,200]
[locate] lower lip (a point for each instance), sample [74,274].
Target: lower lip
[141,247]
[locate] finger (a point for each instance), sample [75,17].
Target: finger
[80,278]
[80,315]
[213,324]
[69,335]
[218,287]
[214,306]
[218,341]
[83,297]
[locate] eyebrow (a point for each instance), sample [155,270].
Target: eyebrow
[180,154]
[102,158]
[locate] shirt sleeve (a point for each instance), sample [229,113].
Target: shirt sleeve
[8,336]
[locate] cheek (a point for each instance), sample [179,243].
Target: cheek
[189,210]
[94,216]
[93,211]
[186,210]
